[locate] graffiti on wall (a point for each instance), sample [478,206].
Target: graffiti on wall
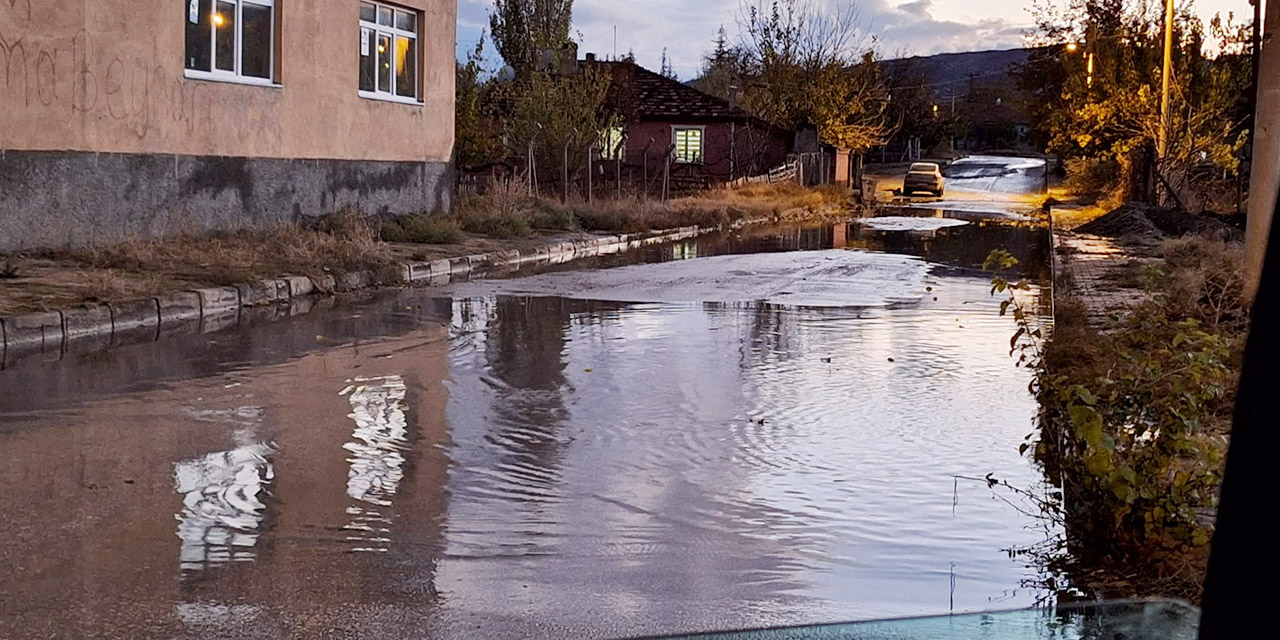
[47,76]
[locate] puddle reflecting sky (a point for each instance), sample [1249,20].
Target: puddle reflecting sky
[485,465]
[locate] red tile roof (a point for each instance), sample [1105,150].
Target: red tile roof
[639,93]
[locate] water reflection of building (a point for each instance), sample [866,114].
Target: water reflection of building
[377,457]
[109,493]
[359,492]
[222,509]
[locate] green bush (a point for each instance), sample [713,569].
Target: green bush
[502,224]
[422,229]
[1135,418]
[599,220]
[1092,178]
[547,216]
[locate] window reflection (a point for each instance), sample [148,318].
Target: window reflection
[377,457]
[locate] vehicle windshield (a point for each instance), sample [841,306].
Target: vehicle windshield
[923,167]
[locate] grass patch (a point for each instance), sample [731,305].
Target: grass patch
[498,224]
[422,229]
[339,243]
[506,210]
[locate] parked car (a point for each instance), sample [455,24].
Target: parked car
[924,176]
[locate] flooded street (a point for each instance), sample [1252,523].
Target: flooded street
[752,428]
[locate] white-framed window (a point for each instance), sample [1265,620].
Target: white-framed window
[612,144]
[688,144]
[389,52]
[232,40]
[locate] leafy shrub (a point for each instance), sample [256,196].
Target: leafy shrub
[547,216]
[1135,418]
[422,229]
[498,224]
[597,219]
[1092,178]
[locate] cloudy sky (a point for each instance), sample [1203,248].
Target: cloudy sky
[687,27]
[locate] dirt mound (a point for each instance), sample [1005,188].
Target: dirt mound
[1125,221]
[1143,220]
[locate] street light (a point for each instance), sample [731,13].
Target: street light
[1071,46]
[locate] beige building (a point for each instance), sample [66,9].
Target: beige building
[120,117]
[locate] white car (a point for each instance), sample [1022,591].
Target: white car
[924,176]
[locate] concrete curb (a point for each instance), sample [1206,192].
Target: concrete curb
[87,329]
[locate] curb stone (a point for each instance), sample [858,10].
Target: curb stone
[179,313]
[137,317]
[459,266]
[440,268]
[298,286]
[31,334]
[178,307]
[325,283]
[39,330]
[217,299]
[211,309]
[87,327]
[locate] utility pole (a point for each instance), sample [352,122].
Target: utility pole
[1264,179]
[1162,144]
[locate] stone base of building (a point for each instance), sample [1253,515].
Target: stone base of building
[57,199]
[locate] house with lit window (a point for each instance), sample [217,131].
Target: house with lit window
[709,140]
[124,119]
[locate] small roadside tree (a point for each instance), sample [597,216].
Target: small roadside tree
[559,114]
[523,29]
[810,66]
[476,139]
[1094,75]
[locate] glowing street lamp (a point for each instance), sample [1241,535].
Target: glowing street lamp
[1071,46]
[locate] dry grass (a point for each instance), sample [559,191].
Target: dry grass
[506,210]
[505,217]
[339,243]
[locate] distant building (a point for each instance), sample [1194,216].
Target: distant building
[711,140]
[123,118]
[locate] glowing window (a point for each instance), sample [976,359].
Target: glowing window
[389,52]
[231,40]
[688,144]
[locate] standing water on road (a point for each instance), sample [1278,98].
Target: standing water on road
[756,428]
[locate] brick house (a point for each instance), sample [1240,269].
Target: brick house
[710,140]
[121,118]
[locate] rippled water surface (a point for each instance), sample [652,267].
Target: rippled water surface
[494,461]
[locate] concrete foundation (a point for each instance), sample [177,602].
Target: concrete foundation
[56,199]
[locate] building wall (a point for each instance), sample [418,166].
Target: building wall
[754,149]
[102,136]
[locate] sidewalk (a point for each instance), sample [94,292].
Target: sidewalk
[1099,272]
